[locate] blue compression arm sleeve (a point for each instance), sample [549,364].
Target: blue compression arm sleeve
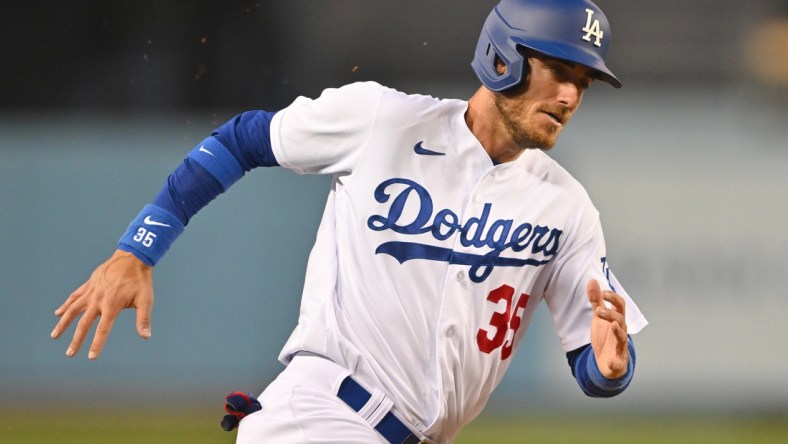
[211,168]
[591,380]
[241,144]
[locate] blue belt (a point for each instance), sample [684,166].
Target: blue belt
[390,426]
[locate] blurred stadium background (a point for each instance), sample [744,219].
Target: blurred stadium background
[100,100]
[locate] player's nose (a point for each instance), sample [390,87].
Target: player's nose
[570,94]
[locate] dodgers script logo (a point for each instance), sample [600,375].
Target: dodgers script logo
[496,237]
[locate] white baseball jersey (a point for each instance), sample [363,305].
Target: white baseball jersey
[430,260]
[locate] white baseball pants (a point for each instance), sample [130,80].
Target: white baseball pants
[301,406]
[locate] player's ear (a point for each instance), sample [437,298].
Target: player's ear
[500,66]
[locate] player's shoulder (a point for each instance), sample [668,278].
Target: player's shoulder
[365,87]
[355,101]
[396,97]
[374,94]
[397,105]
[349,94]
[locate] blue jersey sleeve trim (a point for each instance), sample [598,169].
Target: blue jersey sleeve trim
[591,380]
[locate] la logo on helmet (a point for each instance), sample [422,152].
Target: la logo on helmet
[592,28]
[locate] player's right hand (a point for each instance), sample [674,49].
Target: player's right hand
[608,330]
[123,281]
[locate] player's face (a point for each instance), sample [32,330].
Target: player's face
[535,112]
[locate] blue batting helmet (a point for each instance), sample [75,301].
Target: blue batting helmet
[572,30]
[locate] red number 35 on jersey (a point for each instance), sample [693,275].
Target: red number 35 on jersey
[502,322]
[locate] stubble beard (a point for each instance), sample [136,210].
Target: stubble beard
[526,134]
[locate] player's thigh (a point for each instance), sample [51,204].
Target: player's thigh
[296,412]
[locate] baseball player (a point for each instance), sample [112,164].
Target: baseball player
[446,225]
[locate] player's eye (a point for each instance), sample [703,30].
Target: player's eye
[559,70]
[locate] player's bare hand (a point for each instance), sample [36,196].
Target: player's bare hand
[608,331]
[123,281]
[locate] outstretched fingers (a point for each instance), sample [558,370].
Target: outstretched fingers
[121,282]
[76,295]
[85,303]
[83,326]
[103,328]
[144,309]
[71,308]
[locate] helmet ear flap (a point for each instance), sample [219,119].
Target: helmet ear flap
[494,43]
[502,68]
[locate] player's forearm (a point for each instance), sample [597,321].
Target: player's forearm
[591,380]
[216,163]
[210,169]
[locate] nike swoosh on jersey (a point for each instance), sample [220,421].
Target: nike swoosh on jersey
[202,149]
[424,151]
[149,221]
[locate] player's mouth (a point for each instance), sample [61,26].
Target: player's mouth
[558,118]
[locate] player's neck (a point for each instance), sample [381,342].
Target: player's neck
[482,120]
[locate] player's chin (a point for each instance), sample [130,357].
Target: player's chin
[543,137]
[546,141]
[547,147]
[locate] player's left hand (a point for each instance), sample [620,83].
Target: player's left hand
[121,282]
[608,331]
